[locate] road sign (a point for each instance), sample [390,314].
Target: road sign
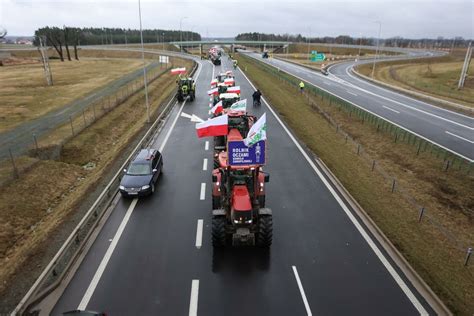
[240,154]
[318,57]
[164,59]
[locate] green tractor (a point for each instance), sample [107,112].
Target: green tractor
[186,89]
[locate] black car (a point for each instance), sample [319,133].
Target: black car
[324,71]
[142,173]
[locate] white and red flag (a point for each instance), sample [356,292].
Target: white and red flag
[229,82]
[218,108]
[235,89]
[214,83]
[178,71]
[214,91]
[217,126]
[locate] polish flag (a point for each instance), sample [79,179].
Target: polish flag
[229,73]
[218,108]
[177,71]
[214,83]
[235,89]
[214,91]
[217,126]
[229,82]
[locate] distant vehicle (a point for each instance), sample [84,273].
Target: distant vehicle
[265,55]
[142,173]
[186,89]
[324,71]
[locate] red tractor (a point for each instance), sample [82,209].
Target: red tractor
[239,215]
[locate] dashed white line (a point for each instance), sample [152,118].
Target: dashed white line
[390,109]
[460,137]
[351,93]
[303,295]
[103,264]
[206,145]
[199,234]
[203,192]
[352,218]
[204,164]
[193,302]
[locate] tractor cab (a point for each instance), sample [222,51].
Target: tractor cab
[228,99]
[221,87]
[186,89]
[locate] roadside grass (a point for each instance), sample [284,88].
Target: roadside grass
[436,77]
[447,196]
[25,95]
[47,195]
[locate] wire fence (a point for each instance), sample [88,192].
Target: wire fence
[449,160]
[45,141]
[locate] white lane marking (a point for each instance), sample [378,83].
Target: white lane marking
[202,196]
[382,117]
[300,286]
[204,164]
[460,137]
[412,108]
[199,234]
[206,145]
[108,254]
[193,302]
[352,218]
[390,109]
[404,96]
[351,93]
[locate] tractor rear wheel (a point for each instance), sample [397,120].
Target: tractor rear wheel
[261,201]
[265,231]
[218,231]
[180,98]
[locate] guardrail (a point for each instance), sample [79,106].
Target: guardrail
[57,269]
[450,158]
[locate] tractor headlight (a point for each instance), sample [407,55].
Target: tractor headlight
[121,187]
[145,187]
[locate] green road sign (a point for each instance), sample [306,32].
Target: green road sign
[318,57]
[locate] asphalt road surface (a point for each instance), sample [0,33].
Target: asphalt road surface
[151,259]
[448,129]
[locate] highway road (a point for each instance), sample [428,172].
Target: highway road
[152,258]
[450,130]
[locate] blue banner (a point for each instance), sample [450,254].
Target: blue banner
[240,155]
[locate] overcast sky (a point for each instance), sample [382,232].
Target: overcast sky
[227,18]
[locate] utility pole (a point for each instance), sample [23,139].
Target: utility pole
[163,41]
[465,66]
[144,66]
[45,60]
[377,50]
[309,57]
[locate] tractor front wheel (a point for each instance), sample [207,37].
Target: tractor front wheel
[218,231]
[265,231]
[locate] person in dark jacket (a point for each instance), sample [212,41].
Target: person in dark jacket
[256,97]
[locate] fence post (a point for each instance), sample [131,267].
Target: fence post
[15,170]
[93,109]
[447,165]
[36,142]
[358,149]
[468,255]
[72,127]
[393,185]
[84,117]
[422,211]
[418,150]
[373,165]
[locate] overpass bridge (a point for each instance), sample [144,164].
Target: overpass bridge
[233,43]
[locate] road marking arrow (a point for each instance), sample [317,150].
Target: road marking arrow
[192,117]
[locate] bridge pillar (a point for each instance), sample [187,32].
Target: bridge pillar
[200,49]
[264,47]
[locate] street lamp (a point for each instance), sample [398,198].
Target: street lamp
[308,42]
[163,40]
[144,66]
[377,50]
[181,31]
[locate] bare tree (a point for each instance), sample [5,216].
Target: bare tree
[66,40]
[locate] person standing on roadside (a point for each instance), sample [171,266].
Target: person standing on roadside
[301,86]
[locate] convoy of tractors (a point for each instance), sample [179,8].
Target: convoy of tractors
[239,214]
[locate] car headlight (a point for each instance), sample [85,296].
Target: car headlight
[145,187]
[121,187]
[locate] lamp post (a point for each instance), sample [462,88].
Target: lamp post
[144,66]
[377,50]
[308,42]
[181,31]
[163,34]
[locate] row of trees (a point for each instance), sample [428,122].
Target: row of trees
[73,37]
[439,42]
